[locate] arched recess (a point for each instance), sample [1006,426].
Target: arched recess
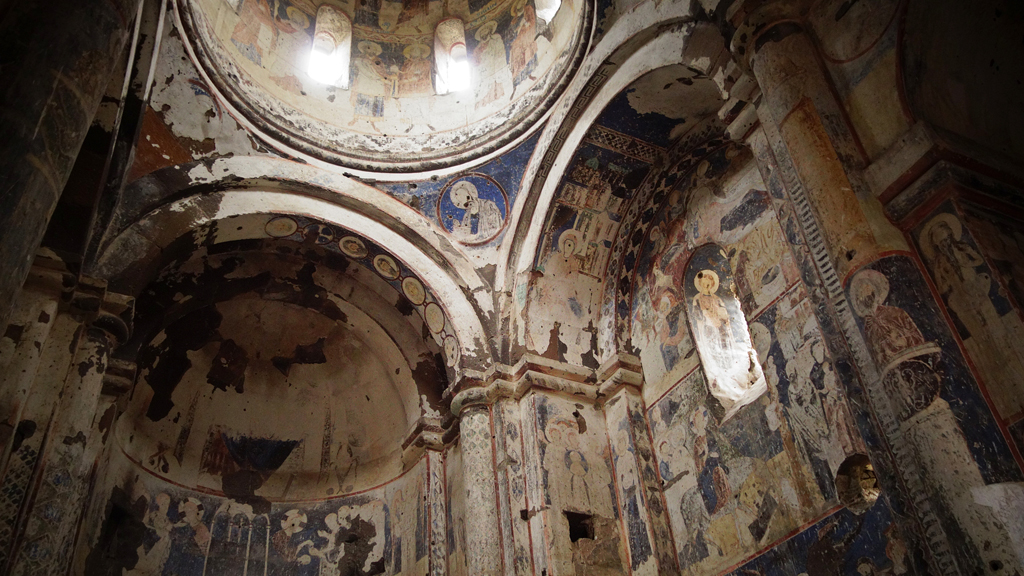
[601,171]
[650,37]
[144,245]
[731,366]
[712,194]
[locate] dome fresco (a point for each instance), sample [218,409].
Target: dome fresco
[391,117]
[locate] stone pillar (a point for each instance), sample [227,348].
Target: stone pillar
[49,515]
[642,505]
[21,348]
[483,531]
[875,289]
[57,62]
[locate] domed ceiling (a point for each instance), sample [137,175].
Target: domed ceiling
[391,117]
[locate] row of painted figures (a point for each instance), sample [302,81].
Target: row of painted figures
[181,541]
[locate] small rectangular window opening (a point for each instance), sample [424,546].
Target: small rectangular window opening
[580,525]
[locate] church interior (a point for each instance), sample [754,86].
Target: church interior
[512,287]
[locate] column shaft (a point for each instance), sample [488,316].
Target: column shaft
[483,530]
[871,281]
[58,62]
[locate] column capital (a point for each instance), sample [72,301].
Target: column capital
[108,312]
[760,21]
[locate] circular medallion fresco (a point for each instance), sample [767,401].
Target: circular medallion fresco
[281,227]
[434,317]
[413,290]
[392,116]
[386,267]
[352,247]
[473,209]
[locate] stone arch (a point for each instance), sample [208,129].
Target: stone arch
[147,240]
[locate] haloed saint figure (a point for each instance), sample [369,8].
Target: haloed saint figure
[472,209]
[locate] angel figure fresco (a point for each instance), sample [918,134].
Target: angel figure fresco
[992,338]
[911,370]
[481,218]
[494,78]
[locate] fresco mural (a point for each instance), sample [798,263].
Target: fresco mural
[367,254]
[719,329]
[738,486]
[575,247]
[840,543]
[473,209]
[517,61]
[724,201]
[985,320]
[932,391]
[179,532]
[496,185]
[578,490]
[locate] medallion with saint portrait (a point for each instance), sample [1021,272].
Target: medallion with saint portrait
[473,209]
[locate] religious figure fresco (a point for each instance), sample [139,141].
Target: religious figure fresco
[912,368]
[473,209]
[723,201]
[372,84]
[256,33]
[494,78]
[719,328]
[524,46]
[989,326]
[1002,242]
[382,531]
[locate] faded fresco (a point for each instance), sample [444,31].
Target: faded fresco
[724,201]
[718,292]
[516,60]
[165,529]
[841,543]
[719,329]
[986,322]
[574,254]
[932,391]
[581,522]
[738,486]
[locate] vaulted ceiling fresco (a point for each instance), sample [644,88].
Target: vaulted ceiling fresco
[392,118]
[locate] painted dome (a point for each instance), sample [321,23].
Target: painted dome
[391,117]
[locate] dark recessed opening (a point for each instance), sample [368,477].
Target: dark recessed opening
[524,514]
[580,525]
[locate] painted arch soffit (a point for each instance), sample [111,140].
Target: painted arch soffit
[631,49]
[433,292]
[390,119]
